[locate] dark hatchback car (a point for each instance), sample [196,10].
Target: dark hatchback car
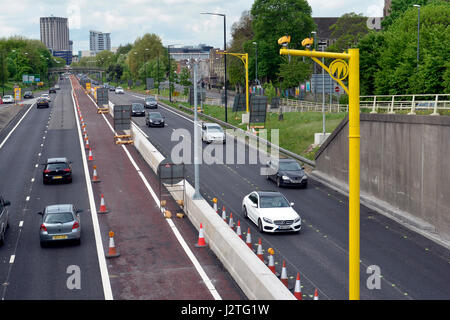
[287,172]
[57,170]
[137,109]
[150,103]
[154,119]
[42,103]
[52,90]
[28,95]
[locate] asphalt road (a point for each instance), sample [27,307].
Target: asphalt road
[411,266]
[28,271]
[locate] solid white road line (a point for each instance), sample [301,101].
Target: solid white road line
[174,229]
[7,137]
[98,238]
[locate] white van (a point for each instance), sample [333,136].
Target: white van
[3,218]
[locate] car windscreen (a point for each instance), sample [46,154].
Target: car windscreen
[274,201]
[289,166]
[154,115]
[57,166]
[150,100]
[61,217]
[214,129]
[137,107]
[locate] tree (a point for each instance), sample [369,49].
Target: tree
[398,8]
[347,31]
[273,19]
[370,50]
[293,71]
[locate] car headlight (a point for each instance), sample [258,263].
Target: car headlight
[268,220]
[285,177]
[305,177]
[297,220]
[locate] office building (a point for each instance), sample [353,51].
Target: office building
[55,35]
[99,41]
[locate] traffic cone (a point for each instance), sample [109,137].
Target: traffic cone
[284,278]
[102,206]
[230,222]
[259,251]
[272,266]
[224,214]
[85,137]
[90,158]
[201,239]
[238,229]
[95,176]
[316,295]
[87,144]
[112,252]
[298,288]
[248,239]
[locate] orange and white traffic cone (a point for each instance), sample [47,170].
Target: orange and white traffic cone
[259,251]
[224,214]
[201,238]
[238,229]
[87,144]
[102,206]
[298,288]
[316,295]
[230,221]
[91,157]
[272,266]
[248,239]
[95,176]
[284,277]
[112,252]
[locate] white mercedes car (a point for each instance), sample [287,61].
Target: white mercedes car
[212,132]
[271,212]
[119,90]
[8,98]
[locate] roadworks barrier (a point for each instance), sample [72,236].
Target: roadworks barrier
[253,277]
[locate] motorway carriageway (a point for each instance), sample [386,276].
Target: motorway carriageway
[411,266]
[152,264]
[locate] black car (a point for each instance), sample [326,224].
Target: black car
[137,109]
[150,103]
[28,95]
[154,119]
[52,90]
[57,170]
[287,172]
[42,103]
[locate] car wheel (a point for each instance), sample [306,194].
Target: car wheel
[43,244]
[245,213]
[260,227]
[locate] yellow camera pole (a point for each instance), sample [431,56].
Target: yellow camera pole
[339,70]
[244,59]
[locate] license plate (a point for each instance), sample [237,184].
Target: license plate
[59,237]
[57,177]
[284,227]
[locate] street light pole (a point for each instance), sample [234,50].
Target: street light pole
[418,32]
[197,195]
[256,62]
[225,57]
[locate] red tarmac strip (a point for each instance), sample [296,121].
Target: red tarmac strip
[152,264]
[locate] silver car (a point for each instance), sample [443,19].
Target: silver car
[60,222]
[3,218]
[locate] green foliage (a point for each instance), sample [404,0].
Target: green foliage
[293,71]
[398,8]
[270,90]
[273,19]
[347,31]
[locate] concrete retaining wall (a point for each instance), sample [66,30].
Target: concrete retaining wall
[250,273]
[405,166]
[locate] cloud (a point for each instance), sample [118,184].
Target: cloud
[175,21]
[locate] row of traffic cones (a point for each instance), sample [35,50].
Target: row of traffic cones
[259,252]
[112,251]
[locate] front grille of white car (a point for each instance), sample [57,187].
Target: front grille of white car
[283,222]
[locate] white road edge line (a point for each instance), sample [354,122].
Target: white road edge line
[7,137]
[98,238]
[13,257]
[174,229]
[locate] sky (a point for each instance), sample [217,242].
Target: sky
[176,22]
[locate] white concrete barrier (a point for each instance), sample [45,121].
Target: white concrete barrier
[250,273]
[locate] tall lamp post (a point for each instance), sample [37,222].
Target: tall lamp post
[418,32]
[256,62]
[224,57]
[168,56]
